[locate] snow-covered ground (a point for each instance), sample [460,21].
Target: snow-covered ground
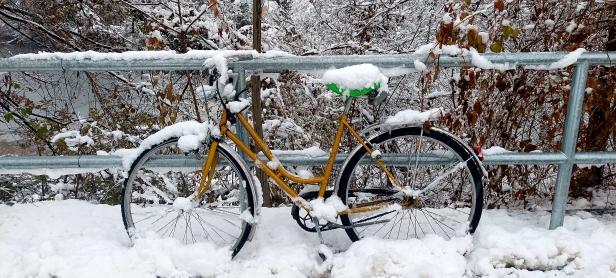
[77,239]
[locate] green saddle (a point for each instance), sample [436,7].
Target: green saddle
[353,93]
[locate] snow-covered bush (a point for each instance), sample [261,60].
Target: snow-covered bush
[518,109]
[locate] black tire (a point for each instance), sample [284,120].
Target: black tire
[462,153]
[194,214]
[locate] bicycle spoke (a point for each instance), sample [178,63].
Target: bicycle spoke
[212,227]
[175,224]
[438,222]
[189,224]
[186,229]
[146,218]
[400,226]
[434,213]
[202,227]
[167,213]
[394,225]
[428,220]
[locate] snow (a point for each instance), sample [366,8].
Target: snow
[181,203]
[447,18]
[495,150]
[581,6]
[51,173]
[238,106]
[219,61]
[204,91]
[396,71]
[228,92]
[431,257]
[305,173]
[424,49]
[571,27]
[569,59]
[356,77]
[481,62]
[485,37]
[191,134]
[411,116]
[274,54]
[149,55]
[189,142]
[419,65]
[584,248]
[436,94]
[327,209]
[451,50]
[156,34]
[258,191]
[247,217]
[376,154]
[73,138]
[117,134]
[69,238]
[274,164]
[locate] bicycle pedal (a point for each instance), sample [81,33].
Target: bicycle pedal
[325,252]
[322,256]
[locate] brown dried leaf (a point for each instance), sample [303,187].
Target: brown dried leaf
[213,5]
[499,5]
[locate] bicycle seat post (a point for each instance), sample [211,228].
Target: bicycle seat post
[347,105]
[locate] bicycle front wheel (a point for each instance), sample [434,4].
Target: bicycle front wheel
[442,173]
[156,199]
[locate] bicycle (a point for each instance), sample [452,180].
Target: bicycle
[409,180]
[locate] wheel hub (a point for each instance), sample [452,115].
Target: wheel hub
[408,202]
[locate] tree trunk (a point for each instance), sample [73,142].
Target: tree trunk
[257,109]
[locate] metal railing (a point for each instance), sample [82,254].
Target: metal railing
[246,65]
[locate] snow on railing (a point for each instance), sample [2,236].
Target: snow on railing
[246,62]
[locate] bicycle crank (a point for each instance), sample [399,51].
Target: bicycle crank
[303,218]
[305,221]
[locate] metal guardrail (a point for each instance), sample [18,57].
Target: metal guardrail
[14,164]
[565,159]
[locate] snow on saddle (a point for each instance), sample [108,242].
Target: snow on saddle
[355,81]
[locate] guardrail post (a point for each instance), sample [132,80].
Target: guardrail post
[241,85]
[569,142]
[241,132]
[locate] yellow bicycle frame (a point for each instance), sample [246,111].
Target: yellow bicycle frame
[280,173]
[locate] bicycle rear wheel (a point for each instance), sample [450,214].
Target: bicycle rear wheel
[156,197]
[421,159]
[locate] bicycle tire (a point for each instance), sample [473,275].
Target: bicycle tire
[233,161]
[448,142]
